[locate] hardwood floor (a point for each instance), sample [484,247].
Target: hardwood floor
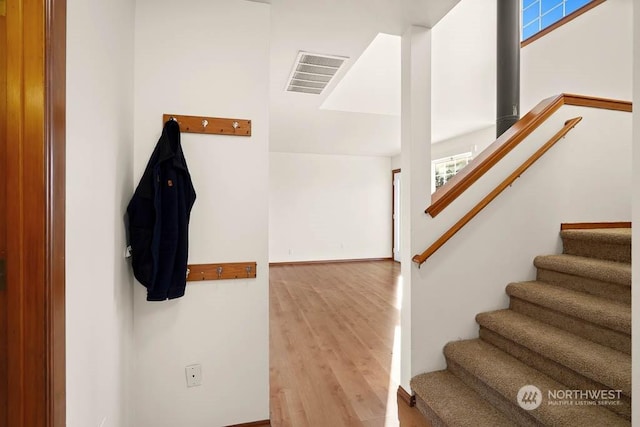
[331,347]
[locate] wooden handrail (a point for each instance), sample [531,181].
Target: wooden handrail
[509,140]
[569,124]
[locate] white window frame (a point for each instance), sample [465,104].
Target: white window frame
[449,159]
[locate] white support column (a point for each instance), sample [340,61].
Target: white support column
[416,168]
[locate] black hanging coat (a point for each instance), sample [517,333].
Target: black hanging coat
[159,219]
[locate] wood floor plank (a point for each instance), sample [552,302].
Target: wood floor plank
[332,331]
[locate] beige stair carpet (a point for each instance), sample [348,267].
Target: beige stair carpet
[566,336]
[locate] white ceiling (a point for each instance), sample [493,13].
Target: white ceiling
[355,125]
[372,85]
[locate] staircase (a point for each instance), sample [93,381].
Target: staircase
[566,333]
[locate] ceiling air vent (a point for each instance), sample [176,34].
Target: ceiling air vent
[313,72]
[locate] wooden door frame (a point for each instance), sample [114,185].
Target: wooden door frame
[393,198]
[3,209]
[36,104]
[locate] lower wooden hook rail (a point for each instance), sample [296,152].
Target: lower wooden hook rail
[222,271]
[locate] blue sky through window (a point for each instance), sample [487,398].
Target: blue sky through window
[540,14]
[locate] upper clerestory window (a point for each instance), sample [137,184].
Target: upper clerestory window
[541,15]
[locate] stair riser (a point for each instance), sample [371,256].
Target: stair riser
[601,335]
[441,396]
[507,405]
[430,415]
[558,372]
[596,249]
[598,288]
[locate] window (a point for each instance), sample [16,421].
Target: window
[540,14]
[442,170]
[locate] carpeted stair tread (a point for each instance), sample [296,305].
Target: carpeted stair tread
[599,334]
[453,403]
[502,374]
[610,314]
[594,361]
[603,270]
[556,371]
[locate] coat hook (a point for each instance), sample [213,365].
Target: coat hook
[248,268]
[219,272]
[205,123]
[236,125]
[174,119]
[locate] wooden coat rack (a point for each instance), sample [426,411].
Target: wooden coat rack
[215,126]
[210,125]
[224,271]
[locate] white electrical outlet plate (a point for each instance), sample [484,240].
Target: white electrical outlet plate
[194,375]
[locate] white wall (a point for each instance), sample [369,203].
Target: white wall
[463,78]
[98,186]
[207,57]
[329,207]
[396,162]
[591,55]
[573,182]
